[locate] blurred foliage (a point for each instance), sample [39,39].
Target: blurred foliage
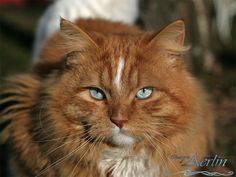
[17,26]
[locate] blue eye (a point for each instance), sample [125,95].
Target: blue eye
[144,93]
[97,93]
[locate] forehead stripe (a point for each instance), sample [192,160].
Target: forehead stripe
[119,72]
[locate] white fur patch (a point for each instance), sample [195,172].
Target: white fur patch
[122,163]
[121,139]
[120,68]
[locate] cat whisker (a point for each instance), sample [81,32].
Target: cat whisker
[67,156]
[59,138]
[55,133]
[168,147]
[71,141]
[40,117]
[150,128]
[160,135]
[162,123]
[89,149]
[57,162]
[154,146]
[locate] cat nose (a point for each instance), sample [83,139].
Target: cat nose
[119,121]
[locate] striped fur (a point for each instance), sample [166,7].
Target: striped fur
[55,128]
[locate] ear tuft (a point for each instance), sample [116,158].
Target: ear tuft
[72,59]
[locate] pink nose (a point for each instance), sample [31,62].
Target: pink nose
[119,121]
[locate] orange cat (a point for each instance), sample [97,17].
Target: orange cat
[107,100]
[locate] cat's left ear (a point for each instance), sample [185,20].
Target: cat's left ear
[171,38]
[75,39]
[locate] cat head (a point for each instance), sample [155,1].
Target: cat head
[123,89]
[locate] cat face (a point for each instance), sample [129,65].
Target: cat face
[124,89]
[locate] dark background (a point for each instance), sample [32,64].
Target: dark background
[211,59]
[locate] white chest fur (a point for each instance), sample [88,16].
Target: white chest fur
[122,163]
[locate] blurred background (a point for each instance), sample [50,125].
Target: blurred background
[211,33]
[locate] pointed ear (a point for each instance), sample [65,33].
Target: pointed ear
[75,38]
[171,37]
[174,32]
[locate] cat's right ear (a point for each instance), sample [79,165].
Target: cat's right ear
[75,39]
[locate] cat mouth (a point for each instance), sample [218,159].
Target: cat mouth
[121,138]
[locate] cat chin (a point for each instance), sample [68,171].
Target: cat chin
[120,139]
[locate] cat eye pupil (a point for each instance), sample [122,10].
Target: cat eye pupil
[144,93]
[97,93]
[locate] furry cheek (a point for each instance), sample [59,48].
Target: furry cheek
[159,114]
[82,107]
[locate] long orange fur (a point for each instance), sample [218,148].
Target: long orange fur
[57,129]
